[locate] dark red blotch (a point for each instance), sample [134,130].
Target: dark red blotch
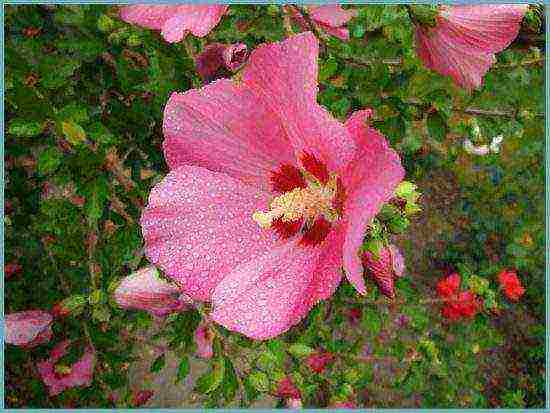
[315,167]
[287,178]
[317,233]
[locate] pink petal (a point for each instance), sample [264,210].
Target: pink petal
[265,296]
[28,328]
[332,15]
[341,33]
[490,28]
[197,19]
[464,42]
[204,339]
[198,226]
[284,75]
[226,128]
[81,372]
[145,290]
[148,15]
[175,21]
[370,181]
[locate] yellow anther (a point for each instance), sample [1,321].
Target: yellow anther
[300,203]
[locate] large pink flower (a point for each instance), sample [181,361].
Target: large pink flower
[332,18]
[269,195]
[145,290]
[175,21]
[28,328]
[59,378]
[463,43]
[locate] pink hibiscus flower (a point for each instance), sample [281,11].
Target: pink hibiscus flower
[332,18]
[145,290]
[268,194]
[175,21]
[28,328]
[465,39]
[59,378]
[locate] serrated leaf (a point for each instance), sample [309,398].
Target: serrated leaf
[230,383]
[212,379]
[267,361]
[74,133]
[328,68]
[259,380]
[300,350]
[183,370]
[96,193]
[437,127]
[24,128]
[49,161]
[158,364]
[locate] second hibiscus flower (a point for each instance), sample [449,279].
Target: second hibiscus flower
[268,195]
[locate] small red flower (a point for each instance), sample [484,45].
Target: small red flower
[465,305]
[448,286]
[511,284]
[319,360]
[287,389]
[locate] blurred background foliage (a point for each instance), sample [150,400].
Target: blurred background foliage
[84,94]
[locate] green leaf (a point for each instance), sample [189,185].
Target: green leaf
[328,68]
[359,30]
[74,133]
[96,193]
[24,128]
[49,161]
[158,364]
[300,350]
[183,370]
[212,379]
[230,383]
[437,127]
[267,361]
[259,380]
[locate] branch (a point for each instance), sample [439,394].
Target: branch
[537,61]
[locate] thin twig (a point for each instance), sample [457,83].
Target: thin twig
[536,61]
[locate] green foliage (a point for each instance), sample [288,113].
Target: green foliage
[86,87]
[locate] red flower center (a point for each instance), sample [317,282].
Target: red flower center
[309,203]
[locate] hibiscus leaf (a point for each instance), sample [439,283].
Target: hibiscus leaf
[49,161]
[212,379]
[158,364]
[259,380]
[300,350]
[74,133]
[183,370]
[24,128]
[230,383]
